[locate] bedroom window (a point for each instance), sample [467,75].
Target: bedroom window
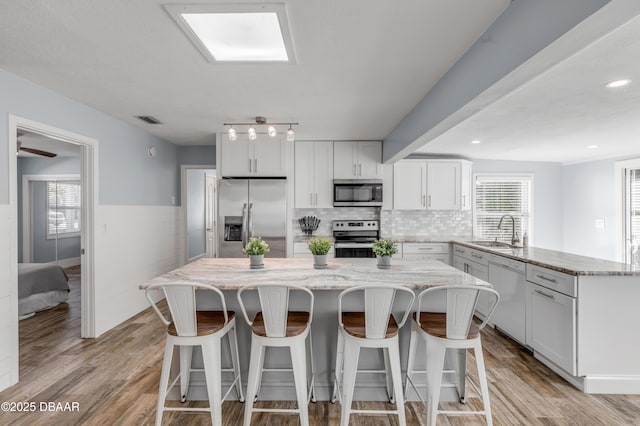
[63,209]
[496,195]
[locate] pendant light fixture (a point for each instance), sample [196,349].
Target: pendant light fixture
[254,129]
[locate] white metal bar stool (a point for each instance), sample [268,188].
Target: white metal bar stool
[376,327]
[452,329]
[196,328]
[274,325]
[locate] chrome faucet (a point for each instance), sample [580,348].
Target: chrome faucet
[514,238]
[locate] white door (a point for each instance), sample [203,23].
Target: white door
[269,157]
[304,175]
[443,186]
[210,215]
[409,186]
[8,302]
[369,160]
[344,160]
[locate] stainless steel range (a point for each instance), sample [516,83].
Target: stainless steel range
[354,238]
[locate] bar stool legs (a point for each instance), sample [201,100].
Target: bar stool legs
[186,353]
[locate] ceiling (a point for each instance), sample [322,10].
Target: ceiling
[361,65]
[557,115]
[44,143]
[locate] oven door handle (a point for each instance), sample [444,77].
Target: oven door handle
[353,245]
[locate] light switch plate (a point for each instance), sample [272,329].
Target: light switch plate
[599,223]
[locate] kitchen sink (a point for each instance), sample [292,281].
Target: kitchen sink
[492,244]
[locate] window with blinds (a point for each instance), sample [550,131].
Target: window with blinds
[63,209]
[499,195]
[633,217]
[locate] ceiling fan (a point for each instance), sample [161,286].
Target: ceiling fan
[33,150]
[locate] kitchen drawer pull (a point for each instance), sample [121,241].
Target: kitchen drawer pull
[459,251]
[426,248]
[551,280]
[542,293]
[476,256]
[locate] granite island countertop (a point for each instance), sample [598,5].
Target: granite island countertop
[567,263]
[342,273]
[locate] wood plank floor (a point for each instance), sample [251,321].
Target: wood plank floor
[115,379]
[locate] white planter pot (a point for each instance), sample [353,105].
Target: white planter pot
[256,261]
[384,262]
[320,261]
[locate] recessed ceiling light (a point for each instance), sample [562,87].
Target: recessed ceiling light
[237,32]
[617,83]
[475,142]
[592,146]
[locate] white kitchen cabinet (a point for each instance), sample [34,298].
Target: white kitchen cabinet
[263,157]
[313,175]
[475,263]
[432,185]
[426,251]
[410,186]
[551,326]
[357,160]
[507,276]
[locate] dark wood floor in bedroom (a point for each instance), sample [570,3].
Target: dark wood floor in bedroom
[115,380]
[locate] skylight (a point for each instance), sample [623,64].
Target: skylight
[239,36]
[237,32]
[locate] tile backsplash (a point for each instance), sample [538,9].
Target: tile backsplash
[393,223]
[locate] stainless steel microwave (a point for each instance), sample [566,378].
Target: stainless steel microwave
[356,192]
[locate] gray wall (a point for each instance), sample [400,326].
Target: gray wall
[589,194]
[127,176]
[547,197]
[46,166]
[523,29]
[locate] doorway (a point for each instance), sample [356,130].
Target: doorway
[88,188]
[628,178]
[198,200]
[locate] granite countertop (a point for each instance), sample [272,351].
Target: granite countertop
[233,273]
[572,264]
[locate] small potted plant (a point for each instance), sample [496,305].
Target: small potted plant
[256,248]
[319,248]
[384,249]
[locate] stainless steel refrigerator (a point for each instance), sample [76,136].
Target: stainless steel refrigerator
[252,208]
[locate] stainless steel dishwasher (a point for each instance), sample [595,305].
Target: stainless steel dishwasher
[508,278]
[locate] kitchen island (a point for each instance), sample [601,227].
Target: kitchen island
[231,274]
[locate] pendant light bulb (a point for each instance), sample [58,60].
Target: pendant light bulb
[232,134]
[271,131]
[291,135]
[252,133]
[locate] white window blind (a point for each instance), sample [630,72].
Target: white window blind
[634,216]
[499,195]
[63,208]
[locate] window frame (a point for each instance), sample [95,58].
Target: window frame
[54,236]
[505,176]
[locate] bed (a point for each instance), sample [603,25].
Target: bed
[40,286]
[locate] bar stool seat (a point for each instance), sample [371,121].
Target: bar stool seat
[355,324]
[296,324]
[275,326]
[208,322]
[435,324]
[188,328]
[374,328]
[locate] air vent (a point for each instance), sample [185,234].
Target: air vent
[148,119]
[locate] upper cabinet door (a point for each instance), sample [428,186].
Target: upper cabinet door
[409,185]
[269,157]
[237,157]
[345,159]
[443,185]
[369,160]
[323,174]
[465,186]
[303,174]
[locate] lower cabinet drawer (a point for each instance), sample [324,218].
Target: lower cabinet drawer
[554,280]
[443,257]
[425,248]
